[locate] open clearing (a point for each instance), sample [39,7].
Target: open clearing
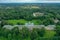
[22,21]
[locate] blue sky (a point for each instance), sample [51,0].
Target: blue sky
[28,1]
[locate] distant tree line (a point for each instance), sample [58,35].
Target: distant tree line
[27,13]
[50,14]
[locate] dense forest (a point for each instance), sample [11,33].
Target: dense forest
[26,12]
[19,14]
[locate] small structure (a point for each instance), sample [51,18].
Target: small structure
[56,20]
[0,22]
[50,27]
[8,27]
[29,24]
[38,14]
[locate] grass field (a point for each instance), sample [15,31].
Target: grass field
[22,21]
[49,33]
[14,22]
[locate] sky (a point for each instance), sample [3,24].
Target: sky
[29,1]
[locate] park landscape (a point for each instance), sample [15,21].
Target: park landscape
[33,15]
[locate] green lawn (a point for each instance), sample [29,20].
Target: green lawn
[16,21]
[36,22]
[22,21]
[49,33]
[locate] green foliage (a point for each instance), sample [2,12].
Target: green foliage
[49,33]
[21,14]
[26,34]
[58,30]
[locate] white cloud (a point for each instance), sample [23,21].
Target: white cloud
[29,1]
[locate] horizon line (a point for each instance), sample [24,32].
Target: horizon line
[34,2]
